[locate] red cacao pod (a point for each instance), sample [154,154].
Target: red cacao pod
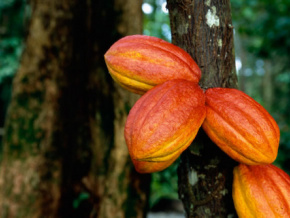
[240,126]
[163,123]
[139,62]
[261,191]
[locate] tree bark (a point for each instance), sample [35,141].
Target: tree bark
[64,152]
[204,29]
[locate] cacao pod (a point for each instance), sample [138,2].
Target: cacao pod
[163,123]
[261,191]
[240,126]
[139,62]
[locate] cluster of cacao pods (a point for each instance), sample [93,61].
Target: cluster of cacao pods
[172,108]
[166,119]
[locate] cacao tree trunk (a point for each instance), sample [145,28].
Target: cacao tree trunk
[64,152]
[204,29]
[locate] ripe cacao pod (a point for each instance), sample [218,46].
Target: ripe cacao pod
[139,62]
[261,191]
[163,123]
[240,126]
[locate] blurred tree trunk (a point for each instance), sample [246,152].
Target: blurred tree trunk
[64,151]
[120,191]
[204,29]
[268,86]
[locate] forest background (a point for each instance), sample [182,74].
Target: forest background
[262,49]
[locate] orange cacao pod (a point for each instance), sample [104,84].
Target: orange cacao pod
[261,191]
[163,123]
[240,126]
[140,62]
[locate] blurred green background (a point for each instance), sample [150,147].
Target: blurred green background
[262,46]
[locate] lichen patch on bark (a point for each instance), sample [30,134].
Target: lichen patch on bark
[192,177]
[207,2]
[212,19]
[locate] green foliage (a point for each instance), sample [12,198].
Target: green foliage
[156,23]
[12,29]
[164,184]
[11,35]
[10,51]
[265,23]
[82,197]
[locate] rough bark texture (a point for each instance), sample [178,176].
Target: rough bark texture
[204,29]
[64,152]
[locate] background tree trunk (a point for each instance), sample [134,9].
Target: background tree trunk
[268,86]
[64,152]
[204,29]
[120,190]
